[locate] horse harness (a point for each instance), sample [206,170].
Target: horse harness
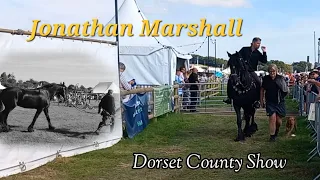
[235,87]
[239,83]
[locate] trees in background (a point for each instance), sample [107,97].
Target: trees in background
[9,80]
[301,66]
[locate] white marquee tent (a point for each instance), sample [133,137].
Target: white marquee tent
[226,71]
[103,88]
[149,60]
[2,87]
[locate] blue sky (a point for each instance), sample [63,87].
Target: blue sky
[286,27]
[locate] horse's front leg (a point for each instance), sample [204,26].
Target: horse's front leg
[253,126]
[247,117]
[246,130]
[240,136]
[4,121]
[46,112]
[30,128]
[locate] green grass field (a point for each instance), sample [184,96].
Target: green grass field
[179,135]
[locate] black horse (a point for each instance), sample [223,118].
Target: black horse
[242,90]
[38,99]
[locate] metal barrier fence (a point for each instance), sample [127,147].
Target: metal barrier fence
[207,98]
[309,106]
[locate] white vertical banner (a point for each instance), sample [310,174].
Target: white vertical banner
[64,128]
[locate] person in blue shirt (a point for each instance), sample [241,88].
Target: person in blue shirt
[179,80]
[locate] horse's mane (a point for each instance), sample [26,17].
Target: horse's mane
[231,59]
[228,63]
[240,66]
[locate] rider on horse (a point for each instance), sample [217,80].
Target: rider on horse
[252,55]
[107,105]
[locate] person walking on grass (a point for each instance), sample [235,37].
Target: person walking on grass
[274,89]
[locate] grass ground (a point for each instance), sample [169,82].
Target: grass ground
[73,126]
[179,135]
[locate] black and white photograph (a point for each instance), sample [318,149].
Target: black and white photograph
[65,93]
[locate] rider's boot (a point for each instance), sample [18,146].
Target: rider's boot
[227,100]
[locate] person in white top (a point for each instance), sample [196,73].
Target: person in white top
[124,85]
[203,78]
[182,71]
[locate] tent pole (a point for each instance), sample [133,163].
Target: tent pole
[117,37]
[117,29]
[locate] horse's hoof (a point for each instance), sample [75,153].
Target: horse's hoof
[254,127]
[6,129]
[239,140]
[51,128]
[30,130]
[97,133]
[240,137]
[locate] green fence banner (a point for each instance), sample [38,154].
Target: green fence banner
[162,98]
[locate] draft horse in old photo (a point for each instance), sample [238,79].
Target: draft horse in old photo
[38,99]
[243,91]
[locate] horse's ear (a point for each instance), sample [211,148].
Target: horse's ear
[228,54]
[62,83]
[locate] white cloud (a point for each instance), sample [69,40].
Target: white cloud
[218,3]
[154,6]
[151,9]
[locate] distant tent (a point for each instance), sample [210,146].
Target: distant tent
[2,87]
[103,87]
[226,71]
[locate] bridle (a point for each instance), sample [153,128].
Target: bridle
[238,72]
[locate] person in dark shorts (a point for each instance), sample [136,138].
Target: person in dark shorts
[273,92]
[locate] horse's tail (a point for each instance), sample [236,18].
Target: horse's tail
[1,94]
[2,107]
